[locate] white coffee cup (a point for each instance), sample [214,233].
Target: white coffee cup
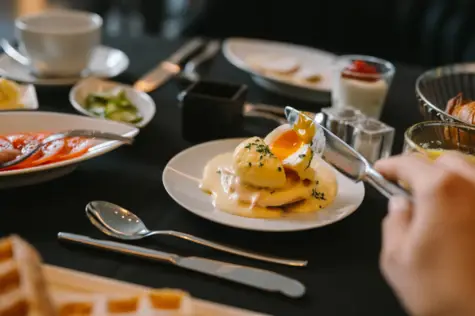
[59,42]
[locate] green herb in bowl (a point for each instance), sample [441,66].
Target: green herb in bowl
[113,106]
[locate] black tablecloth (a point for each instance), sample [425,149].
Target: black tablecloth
[343,276]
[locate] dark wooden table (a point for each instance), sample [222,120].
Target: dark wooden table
[343,277]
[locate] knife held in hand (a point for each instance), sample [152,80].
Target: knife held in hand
[345,158]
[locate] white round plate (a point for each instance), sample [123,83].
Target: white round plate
[106,62]
[141,100]
[23,122]
[183,173]
[238,50]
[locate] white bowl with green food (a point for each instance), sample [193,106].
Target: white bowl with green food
[112,101]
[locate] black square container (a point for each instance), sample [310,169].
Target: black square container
[212,110]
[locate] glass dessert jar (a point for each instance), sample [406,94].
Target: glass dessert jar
[362,82]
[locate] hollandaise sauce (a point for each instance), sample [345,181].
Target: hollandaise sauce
[229,195]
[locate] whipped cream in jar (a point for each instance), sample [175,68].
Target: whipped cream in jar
[362,82]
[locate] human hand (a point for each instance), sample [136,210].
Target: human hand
[428,247]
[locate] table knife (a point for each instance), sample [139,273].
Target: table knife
[346,159]
[169,67]
[258,278]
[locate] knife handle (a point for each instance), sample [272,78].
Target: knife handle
[184,51]
[386,187]
[119,247]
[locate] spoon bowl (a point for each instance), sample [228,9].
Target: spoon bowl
[117,222]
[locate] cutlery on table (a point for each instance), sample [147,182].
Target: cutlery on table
[347,160]
[120,223]
[258,278]
[169,68]
[190,69]
[66,134]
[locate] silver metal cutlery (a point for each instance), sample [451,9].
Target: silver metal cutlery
[120,223]
[168,68]
[65,134]
[190,69]
[348,161]
[258,278]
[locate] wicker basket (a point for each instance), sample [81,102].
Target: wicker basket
[436,87]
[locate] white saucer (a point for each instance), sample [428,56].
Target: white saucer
[183,173]
[106,62]
[238,50]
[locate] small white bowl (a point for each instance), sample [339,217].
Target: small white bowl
[26,121]
[144,103]
[27,97]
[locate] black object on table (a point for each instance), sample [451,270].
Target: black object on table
[342,278]
[211,110]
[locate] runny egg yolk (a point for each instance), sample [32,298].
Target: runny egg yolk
[305,128]
[286,144]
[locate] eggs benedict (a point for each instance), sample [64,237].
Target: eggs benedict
[271,177]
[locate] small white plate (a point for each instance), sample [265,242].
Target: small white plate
[23,122]
[184,171]
[106,62]
[27,97]
[238,51]
[141,100]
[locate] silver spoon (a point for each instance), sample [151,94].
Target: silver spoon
[62,135]
[120,223]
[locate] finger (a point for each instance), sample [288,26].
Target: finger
[396,222]
[458,163]
[410,169]
[395,229]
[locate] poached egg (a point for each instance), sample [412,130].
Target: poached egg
[293,150]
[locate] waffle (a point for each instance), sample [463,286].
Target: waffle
[165,302]
[23,290]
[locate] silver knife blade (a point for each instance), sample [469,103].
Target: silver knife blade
[345,158]
[168,68]
[261,279]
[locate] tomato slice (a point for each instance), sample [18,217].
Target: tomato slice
[26,148]
[25,142]
[21,140]
[50,152]
[76,146]
[5,144]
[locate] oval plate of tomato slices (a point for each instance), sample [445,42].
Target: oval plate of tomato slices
[24,130]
